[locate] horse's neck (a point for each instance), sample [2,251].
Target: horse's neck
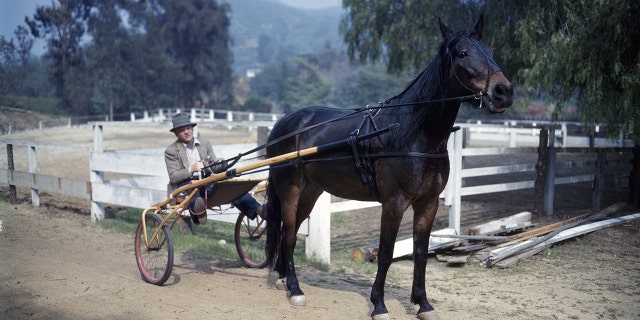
[425,129]
[437,127]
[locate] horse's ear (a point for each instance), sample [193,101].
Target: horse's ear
[444,30]
[477,31]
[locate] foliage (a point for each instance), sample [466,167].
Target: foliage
[404,34]
[127,56]
[198,40]
[325,78]
[548,47]
[563,62]
[63,24]
[16,60]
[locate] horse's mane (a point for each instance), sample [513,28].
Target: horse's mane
[427,86]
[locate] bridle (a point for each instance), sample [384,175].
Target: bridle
[490,72]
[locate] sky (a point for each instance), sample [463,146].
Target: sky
[12,13]
[311,4]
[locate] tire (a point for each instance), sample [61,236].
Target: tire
[251,241]
[156,262]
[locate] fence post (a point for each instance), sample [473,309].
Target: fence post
[97,209]
[13,198]
[455,180]
[263,135]
[542,195]
[550,174]
[318,242]
[634,183]
[538,186]
[598,181]
[512,138]
[33,168]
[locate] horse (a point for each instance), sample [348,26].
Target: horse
[408,166]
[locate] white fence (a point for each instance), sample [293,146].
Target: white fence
[149,179]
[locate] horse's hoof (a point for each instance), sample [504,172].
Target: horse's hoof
[429,315]
[298,301]
[382,316]
[281,284]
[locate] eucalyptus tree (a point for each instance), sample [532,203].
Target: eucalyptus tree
[63,25]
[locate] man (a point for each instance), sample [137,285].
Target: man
[188,156]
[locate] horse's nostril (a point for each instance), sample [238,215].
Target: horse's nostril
[503,91]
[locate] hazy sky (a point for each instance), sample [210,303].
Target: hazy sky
[312,4]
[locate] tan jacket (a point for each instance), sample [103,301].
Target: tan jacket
[175,157]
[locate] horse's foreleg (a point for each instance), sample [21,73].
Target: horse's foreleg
[305,203]
[422,223]
[390,222]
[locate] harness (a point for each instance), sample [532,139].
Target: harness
[363,163]
[361,155]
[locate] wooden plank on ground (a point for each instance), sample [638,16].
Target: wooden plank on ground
[503,253]
[519,220]
[457,260]
[549,228]
[405,247]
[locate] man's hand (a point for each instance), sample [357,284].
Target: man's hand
[196,167]
[218,166]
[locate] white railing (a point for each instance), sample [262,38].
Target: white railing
[149,179]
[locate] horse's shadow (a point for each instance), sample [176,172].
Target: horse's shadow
[186,263]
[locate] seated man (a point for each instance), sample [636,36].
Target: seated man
[187,156]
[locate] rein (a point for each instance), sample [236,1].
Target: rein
[381,105]
[476,95]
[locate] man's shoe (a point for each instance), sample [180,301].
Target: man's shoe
[199,211]
[199,207]
[260,211]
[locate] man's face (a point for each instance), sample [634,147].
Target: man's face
[184,134]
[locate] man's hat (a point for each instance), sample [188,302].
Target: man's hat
[181,120]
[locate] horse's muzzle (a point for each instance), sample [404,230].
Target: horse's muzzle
[501,98]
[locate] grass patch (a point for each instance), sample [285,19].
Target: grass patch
[206,242]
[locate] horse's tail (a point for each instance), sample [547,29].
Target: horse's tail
[274,223]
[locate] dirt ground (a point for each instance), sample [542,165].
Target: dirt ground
[56,264]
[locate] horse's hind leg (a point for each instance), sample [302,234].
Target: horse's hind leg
[424,214]
[390,222]
[302,208]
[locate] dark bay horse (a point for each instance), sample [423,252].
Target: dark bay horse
[405,167]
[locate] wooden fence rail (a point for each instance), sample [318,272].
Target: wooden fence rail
[604,167]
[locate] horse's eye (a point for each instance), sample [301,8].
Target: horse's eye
[462,54]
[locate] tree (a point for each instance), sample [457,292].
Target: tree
[15,60]
[403,34]
[583,50]
[109,58]
[551,50]
[63,25]
[197,32]
[590,51]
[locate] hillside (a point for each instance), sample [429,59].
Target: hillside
[267,31]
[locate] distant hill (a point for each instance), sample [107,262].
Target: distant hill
[267,31]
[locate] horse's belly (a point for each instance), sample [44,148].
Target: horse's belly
[339,182]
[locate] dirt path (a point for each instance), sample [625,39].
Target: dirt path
[55,264]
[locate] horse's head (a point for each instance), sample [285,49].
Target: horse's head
[473,68]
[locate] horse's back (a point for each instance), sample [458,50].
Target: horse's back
[333,171]
[323,125]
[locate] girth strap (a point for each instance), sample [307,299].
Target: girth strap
[363,162]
